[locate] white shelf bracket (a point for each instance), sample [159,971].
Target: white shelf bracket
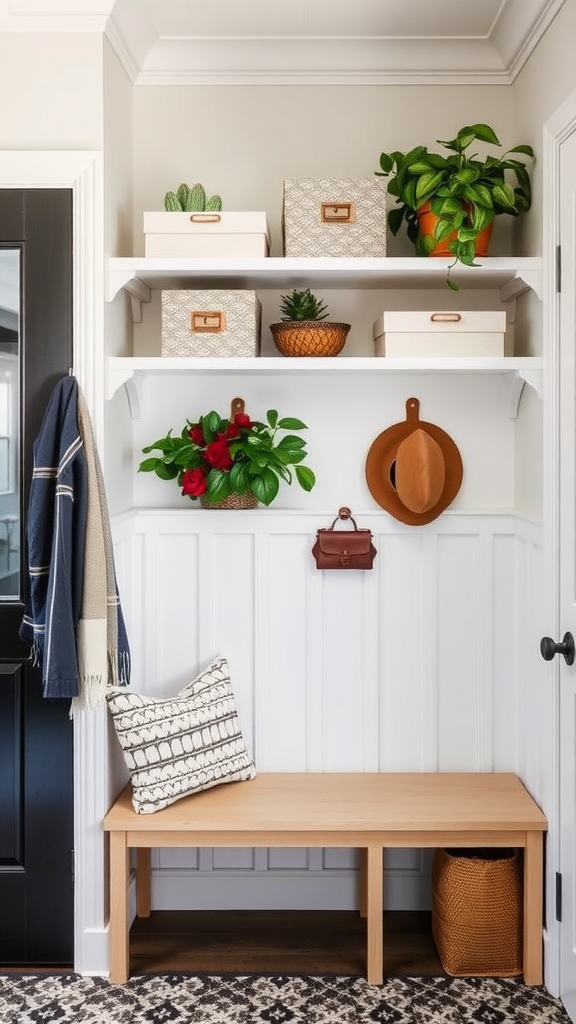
[510,306]
[523,281]
[139,293]
[133,389]
[117,280]
[132,381]
[515,386]
[137,290]
[534,380]
[515,383]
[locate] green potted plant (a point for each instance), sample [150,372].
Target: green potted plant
[302,330]
[191,199]
[232,462]
[464,192]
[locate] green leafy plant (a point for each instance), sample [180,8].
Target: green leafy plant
[465,191]
[302,305]
[217,457]
[191,199]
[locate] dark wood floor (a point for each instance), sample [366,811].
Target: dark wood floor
[272,942]
[279,942]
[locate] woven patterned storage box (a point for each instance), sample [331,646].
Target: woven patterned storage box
[334,217]
[477,912]
[211,323]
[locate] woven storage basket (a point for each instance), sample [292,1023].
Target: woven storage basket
[237,501]
[477,912]
[309,337]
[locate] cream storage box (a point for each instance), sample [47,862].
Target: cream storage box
[334,217]
[214,324]
[399,334]
[227,234]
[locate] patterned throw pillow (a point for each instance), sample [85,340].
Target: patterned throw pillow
[179,745]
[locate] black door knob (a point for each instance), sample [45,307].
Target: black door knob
[549,648]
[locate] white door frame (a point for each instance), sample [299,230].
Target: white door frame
[82,172]
[556,130]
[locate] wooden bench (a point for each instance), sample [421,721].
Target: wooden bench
[367,811]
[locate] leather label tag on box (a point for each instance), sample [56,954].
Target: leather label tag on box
[337,213]
[207,321]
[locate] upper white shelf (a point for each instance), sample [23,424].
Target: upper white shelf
[138,275]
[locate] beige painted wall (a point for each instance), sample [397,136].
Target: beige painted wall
[540,89]
[117,116]
[51,92]
[243,141]
[118,185]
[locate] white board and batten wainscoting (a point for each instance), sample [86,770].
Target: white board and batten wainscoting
[420,664]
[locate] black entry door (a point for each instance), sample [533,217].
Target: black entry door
[36,749]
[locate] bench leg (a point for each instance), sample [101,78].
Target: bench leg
[363,874]
[118,925]
[533,883]
[143,882]
[374,915]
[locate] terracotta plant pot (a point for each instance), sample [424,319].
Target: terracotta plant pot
[427,221]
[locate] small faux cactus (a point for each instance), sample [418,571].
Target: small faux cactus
[302,305]
[191,199]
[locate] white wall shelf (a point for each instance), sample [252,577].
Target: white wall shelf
[139,275]
[132,370]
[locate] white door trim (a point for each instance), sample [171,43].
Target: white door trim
[81,171]
[559,127]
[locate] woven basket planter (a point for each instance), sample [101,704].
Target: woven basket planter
[237,501]
[477,912]
[309,337]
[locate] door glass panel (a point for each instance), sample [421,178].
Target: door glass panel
[10,354]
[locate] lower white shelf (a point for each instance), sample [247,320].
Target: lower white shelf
[130,371]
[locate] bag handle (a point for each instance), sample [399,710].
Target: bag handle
[344,513]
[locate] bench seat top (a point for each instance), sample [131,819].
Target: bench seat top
[345,802]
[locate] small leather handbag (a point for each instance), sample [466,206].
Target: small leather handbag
[344,549]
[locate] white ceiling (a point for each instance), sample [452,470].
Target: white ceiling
[302,41]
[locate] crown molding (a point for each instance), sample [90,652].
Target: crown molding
[518,54]
[55,15]
[134,30]
[320,78]
[495,58]
[123,52]
[320,60]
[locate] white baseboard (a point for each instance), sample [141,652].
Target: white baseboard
[93,958]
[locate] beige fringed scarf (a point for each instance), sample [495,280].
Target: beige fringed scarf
[102,646]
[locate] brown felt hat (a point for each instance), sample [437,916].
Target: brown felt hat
[414,469]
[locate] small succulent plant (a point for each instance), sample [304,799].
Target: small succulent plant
[191,199]
[302,305]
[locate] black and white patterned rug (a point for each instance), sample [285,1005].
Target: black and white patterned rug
[275,999]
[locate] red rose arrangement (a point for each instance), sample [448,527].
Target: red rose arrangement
[217,457]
